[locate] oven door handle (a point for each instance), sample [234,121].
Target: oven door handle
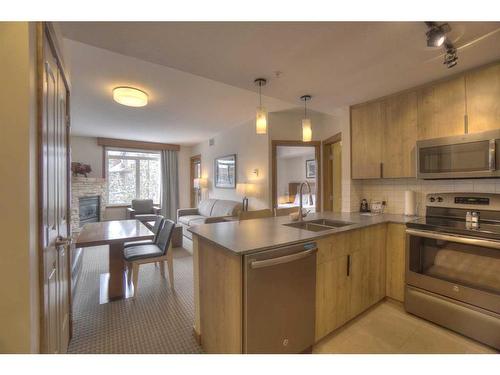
[492,155]
[447,237]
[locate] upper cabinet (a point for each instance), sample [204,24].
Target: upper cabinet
[367,127]
[483,99]
[400,135]
[441,109]
[384,132]
[383,135]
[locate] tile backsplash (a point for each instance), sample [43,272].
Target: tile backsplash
[393,190]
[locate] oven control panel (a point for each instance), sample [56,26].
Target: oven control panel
[483,201]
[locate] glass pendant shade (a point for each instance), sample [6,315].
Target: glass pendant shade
[306,130]
[261,121]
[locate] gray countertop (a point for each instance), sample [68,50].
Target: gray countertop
[249,236]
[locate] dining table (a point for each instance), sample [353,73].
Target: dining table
[114,284]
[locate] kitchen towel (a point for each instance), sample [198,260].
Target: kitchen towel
[410,203]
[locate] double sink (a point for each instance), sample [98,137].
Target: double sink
[319,225]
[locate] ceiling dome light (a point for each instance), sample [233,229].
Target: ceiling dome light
[261,116]
[130,96]
[306,122]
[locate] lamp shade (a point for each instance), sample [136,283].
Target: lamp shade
[306,130]
[261,121]
[130,96]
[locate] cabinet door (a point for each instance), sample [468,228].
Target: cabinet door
[366,140]
[483,99]
[441,109]
[367,271]
[395,262]
[332,287]
[332,296]
[400,135]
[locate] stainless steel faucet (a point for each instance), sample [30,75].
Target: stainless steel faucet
[305,183]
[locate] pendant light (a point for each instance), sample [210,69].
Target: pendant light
[261,116]
[306,122]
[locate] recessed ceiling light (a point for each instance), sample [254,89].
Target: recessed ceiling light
[130,96]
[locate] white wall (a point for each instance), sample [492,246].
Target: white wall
[254,151]
[19,290]
[85,150]
[251,153]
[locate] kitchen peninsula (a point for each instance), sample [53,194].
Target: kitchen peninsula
[354,263]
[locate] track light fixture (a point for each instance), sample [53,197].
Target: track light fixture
[450,57]
[436,37]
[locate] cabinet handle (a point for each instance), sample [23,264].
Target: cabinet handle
[348,265]
[381,170]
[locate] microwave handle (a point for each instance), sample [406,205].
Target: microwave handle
[492,155]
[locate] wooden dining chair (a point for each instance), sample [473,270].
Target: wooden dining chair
[160,251]
[285,211]
[258,214]
[156,231]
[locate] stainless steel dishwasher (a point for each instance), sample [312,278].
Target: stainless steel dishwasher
[280,299]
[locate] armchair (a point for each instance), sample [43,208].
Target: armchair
[143,210]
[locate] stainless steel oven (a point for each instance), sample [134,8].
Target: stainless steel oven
[474,155]
[453,266]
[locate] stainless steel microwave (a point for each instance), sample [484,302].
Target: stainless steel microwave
[475,155]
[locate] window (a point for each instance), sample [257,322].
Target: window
[133,175]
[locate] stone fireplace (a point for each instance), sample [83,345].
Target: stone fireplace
[89,195]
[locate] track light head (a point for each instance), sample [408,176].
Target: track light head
[451,57]
[436,35]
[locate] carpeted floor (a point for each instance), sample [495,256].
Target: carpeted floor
[160,320]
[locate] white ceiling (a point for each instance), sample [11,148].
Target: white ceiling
[339,63]
[183,108]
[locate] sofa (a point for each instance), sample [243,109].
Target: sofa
[208,211]
[143,210]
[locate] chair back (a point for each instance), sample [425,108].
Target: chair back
[246,215]
[158,225]
[285,211]
[142,206]
[163,240]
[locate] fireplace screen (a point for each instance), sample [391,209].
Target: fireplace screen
[89,210]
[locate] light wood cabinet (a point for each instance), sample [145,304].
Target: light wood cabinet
[483,99]
[367,127]
[441,109]
[350,276]
[384,132]
[332,283]
[400,135]
[395,265]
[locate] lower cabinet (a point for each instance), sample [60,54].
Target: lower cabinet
[395,264]
[350,276]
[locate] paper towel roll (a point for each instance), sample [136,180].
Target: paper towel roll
[410,203]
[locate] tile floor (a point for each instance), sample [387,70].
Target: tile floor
[387,328]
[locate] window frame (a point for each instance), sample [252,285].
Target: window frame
[137,171]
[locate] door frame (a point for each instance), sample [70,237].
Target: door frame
[45,29]
[191,178]
[326,172]
[274,167]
